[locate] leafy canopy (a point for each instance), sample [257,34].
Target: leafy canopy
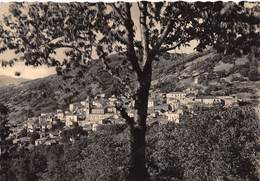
[85,31]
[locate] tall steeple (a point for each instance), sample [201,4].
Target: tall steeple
[87,108]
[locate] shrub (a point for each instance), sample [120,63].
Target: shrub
[253,74]
[209,144]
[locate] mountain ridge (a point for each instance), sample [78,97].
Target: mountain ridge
[8,80]
[208,72]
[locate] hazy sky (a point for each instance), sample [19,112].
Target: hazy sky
[30,72]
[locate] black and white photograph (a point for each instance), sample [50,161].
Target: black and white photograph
[129,90]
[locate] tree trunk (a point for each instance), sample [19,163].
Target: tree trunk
[137,170]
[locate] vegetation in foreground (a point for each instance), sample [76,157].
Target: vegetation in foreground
[209,144]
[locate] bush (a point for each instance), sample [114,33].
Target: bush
[34,136]
[240,79]
[253,74]
[221,74]
[106,157]
[244,71]
[209,144]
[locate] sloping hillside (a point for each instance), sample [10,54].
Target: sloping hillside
[208,72]
[47,94]
[7,80]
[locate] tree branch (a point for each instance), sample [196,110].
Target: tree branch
[144,31]
[130,46]
[163,36]
[158,44]
[118,11]
[118,37]
[165,32]
[129,120]
[60,45]
[165,49]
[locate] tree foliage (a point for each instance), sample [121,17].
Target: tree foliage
[208,144]
[85,31]
[5,144]
[4,128]
[34,136]
[75,133]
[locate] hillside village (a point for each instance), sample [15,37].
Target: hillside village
[208,72]
[93,114]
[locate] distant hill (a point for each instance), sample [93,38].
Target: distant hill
[208,72]
[7,80]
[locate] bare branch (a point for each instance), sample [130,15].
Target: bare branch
[118,11]
[165,49]
[165,32]
[130,46]
[144,30]
[163,36]
[159,43]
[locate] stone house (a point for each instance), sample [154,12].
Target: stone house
[191,91]
[97,118]
[60,115]
[174,116]
[77,107]
[208,100]
[112,100]
[40,141]
[174,104]
[51,142]
[98,110]
[229,100]
[24,141]
[161,109]
[70,119]
[175,95]
[31,124]
[151,103]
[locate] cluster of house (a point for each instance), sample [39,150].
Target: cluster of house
[84,113]
[88,114]
[171,105]
[92,113]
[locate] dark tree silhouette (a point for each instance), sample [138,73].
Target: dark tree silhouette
[5,145]
[4,128]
